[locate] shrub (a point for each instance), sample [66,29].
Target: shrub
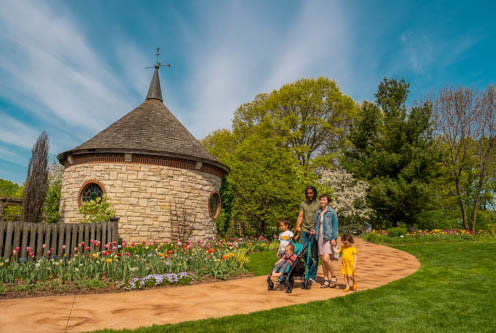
[97,210]
[397,231]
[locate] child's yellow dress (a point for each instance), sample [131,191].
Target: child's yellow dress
[348,260]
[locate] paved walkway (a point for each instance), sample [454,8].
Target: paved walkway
[377,265]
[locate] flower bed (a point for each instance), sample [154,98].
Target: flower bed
[127,266]
[394,236]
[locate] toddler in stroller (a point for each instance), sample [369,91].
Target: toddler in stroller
[295,263]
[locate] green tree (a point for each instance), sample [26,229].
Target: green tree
[265,183]
[226,198]
[7,188]
[52,200]
[466,123]
[393,150]
[311,116]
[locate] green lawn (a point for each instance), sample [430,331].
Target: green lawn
[454,291]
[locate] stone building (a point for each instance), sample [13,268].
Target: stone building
[161,182]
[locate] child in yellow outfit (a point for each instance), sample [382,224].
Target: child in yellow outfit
[348,262]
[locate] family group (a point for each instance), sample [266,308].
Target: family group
[317,230]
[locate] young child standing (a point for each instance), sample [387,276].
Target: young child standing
[348,262]
[284,237]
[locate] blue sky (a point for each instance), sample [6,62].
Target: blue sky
[74,67]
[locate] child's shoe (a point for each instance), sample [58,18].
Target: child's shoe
[346,289]
[355,287]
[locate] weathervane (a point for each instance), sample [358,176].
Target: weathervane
[158,64]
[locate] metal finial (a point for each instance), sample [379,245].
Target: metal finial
[158,64]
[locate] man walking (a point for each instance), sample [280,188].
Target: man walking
[305,224]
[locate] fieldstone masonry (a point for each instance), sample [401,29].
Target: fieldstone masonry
[154,203]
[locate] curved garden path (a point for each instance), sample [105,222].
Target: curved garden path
[377,266]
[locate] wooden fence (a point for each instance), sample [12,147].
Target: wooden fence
[58,238]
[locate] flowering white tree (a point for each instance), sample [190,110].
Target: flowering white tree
[349,196]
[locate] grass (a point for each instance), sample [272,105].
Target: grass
[261,263]
[454,291]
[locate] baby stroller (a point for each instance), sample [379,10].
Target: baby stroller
[299,269]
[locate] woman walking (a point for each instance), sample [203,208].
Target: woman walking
[326,232]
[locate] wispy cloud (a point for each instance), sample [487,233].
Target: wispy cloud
[235,63]
[51,63]
[14,132]
[10,156]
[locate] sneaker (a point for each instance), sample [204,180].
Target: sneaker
[355,287]
[346,289]
[312,280]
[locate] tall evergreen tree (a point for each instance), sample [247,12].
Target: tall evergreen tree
[393,150]
[36,181]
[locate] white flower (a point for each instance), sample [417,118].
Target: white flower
[349,194]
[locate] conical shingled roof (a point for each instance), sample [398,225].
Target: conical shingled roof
[149,129]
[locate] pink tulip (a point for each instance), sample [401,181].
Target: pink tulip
[28,249]
[14,252]
[31,254]
[43,246]
[75,249]
[82,243]
[87,248]
[63,246]
[127,254]
[18,249]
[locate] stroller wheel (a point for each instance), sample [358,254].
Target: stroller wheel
[307,284]
[289,290]
[270,284]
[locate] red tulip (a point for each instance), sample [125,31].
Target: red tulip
[170,252]
[127,254]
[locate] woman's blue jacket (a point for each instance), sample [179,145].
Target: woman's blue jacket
[330,224]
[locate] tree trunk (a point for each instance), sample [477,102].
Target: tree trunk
[460,202]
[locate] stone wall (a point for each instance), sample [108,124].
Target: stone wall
[154,203]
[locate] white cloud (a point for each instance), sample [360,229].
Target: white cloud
[15,133]
[47,59]
[245,53]
[10,156]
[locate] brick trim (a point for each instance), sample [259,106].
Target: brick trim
[145,159]
[217,212]
[80,202]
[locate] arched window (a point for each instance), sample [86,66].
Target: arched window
[214,205]
[90,192]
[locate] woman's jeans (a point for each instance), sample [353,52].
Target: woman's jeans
[312,271]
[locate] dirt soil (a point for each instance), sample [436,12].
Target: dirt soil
[377,266]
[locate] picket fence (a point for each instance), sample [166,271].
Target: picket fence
[57,239]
